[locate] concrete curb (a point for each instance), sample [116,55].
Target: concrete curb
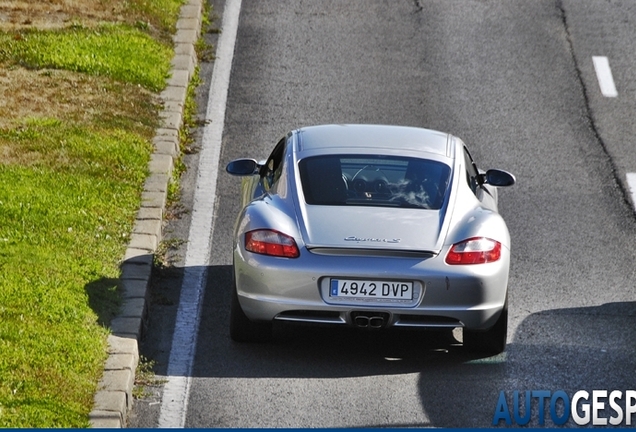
[113,398]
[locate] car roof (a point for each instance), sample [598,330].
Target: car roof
[326,138]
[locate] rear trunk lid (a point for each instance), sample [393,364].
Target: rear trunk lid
[378,228]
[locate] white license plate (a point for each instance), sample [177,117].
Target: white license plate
[371,289]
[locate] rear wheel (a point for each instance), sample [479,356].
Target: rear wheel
[242,329]
[491,341]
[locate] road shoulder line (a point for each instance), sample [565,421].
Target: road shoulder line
[183,349]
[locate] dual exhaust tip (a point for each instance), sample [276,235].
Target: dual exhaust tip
[370,320]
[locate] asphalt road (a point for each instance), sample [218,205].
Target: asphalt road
[515,80]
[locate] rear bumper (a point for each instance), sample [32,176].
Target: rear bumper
[297,290]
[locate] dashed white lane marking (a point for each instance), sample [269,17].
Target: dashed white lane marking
[176,391]
[631,181]
[604,76]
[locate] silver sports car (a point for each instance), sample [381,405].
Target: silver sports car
[374,227]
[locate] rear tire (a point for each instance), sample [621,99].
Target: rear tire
[242,329]
[491,341]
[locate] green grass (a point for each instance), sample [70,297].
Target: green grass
[70,186]
[119,51]
[65,219]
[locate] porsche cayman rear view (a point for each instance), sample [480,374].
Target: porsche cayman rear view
[374,227]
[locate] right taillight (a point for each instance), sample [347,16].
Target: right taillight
[476,250]
[270,242]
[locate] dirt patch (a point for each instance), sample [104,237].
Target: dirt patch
[50,14]
[68,96]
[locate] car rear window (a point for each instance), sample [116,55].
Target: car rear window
[370,180]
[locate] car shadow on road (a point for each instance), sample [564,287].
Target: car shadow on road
[569,349]
[561,349]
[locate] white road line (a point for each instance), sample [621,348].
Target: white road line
[604,76]
[177,388]
[631,181]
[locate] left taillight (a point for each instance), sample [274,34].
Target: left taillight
[270,242]
[477,250]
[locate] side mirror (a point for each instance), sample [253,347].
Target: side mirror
[498,178]
[242,167]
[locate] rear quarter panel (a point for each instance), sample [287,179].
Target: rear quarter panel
[269,212]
